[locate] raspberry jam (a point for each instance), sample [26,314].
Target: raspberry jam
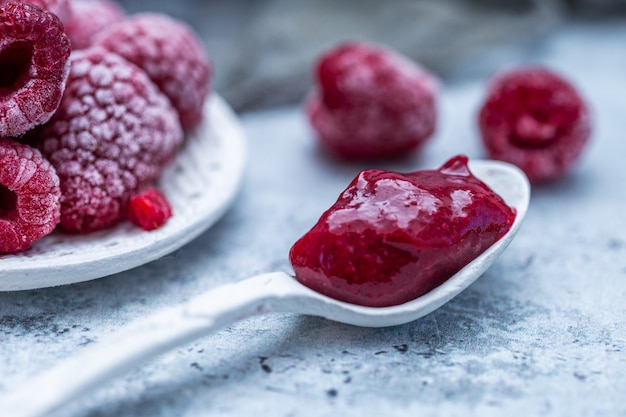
[392,237]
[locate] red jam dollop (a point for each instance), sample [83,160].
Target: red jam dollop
[391,237]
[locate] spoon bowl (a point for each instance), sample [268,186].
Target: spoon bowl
[265,293]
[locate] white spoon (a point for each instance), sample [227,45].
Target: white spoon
[271,292]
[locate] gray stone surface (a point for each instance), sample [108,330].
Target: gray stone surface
[543,332]
[265,49]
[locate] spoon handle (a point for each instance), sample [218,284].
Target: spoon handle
[147,338]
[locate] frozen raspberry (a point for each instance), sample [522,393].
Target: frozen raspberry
[149,209]
[535,119]
[170,53]
[371,102]
[61,8]
[90,17]
[34,63]
[112,134]
[29,196]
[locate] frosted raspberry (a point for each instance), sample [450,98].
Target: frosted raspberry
[535,119]
[112,135]
[29,196]
[61,8]
[371,102]
[149,209]
[90,17]
[34,63]
[171,54]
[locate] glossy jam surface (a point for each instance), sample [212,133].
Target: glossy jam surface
[393,237]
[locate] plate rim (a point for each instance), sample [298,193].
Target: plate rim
[157,243]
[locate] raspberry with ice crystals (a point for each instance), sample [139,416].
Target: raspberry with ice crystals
[170,53]
[61,8]
[29,196]
[534,118]
[370,102]
[112,135]
[34,64]
[88,18]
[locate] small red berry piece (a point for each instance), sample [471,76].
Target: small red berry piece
[112,135]
[34,63]
[393,237]
[61,8]
[29,196]
[88,18]
[172,56]
[149,209]
[371,102]
[535,119]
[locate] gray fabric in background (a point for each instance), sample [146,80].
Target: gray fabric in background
[263,50]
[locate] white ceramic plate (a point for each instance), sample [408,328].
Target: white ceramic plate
[200,185]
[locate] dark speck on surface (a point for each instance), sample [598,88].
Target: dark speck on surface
[264,366]
[195,365]
[401,348]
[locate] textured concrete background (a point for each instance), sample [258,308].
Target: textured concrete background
[264,48]
[543,332]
